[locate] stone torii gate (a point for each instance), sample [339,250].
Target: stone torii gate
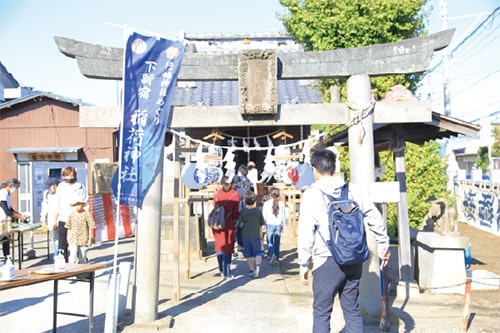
[356,64]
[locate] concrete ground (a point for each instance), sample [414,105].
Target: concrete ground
[275,302]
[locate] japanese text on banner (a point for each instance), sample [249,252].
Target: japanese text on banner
[151,68]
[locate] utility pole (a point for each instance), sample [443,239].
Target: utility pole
[443,10]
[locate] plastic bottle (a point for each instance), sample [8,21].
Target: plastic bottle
[9,223]
[468,257]
[8,270]
[59,262]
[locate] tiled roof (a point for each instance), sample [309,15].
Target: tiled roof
[218,93]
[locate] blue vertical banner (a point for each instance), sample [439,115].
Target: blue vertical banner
[151,69]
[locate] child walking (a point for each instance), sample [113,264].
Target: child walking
[50,210]
[252,223]
[80,225]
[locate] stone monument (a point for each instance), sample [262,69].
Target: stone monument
[440,218]
[441,259]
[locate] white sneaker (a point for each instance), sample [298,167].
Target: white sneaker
[256,273]
[273,260]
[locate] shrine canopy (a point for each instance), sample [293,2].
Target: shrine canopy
[440,127]
[384,134]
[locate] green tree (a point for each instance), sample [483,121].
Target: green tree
[495,148]
[482,160]
[320,25]
[425,177]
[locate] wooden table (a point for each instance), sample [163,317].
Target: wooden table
[17,234]
[80,272]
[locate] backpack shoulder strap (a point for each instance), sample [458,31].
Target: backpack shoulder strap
[344,192]
[225,202]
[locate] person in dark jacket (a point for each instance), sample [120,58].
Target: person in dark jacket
[6,211]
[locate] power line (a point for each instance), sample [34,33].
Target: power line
[478,81]
[472,33]
[479,45]
[487,68]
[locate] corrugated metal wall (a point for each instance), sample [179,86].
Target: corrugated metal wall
[44,122]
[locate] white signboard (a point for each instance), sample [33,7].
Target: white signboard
[384,192]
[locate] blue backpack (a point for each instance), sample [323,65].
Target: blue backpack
[246,184]
[347,229]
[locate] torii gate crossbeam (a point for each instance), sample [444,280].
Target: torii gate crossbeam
[408,56]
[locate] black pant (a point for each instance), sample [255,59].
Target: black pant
[5,246]
[239,239]
[63,239]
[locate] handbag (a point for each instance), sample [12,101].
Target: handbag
[217,217]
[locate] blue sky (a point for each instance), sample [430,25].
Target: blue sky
[474,69]
[28,51]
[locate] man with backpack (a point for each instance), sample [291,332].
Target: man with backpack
[317,231]
[245,183]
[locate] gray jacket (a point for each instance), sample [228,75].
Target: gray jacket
[313,229]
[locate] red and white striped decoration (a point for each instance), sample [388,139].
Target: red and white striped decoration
[103,209]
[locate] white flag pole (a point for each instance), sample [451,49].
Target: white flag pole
[114,283]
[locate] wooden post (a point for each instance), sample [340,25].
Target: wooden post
[176,277]
[466,314]
[406,270]
[293,227]
[187,229]
[197,238]
[385,307]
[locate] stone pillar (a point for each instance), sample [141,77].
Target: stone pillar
[362,163]
[147,262]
